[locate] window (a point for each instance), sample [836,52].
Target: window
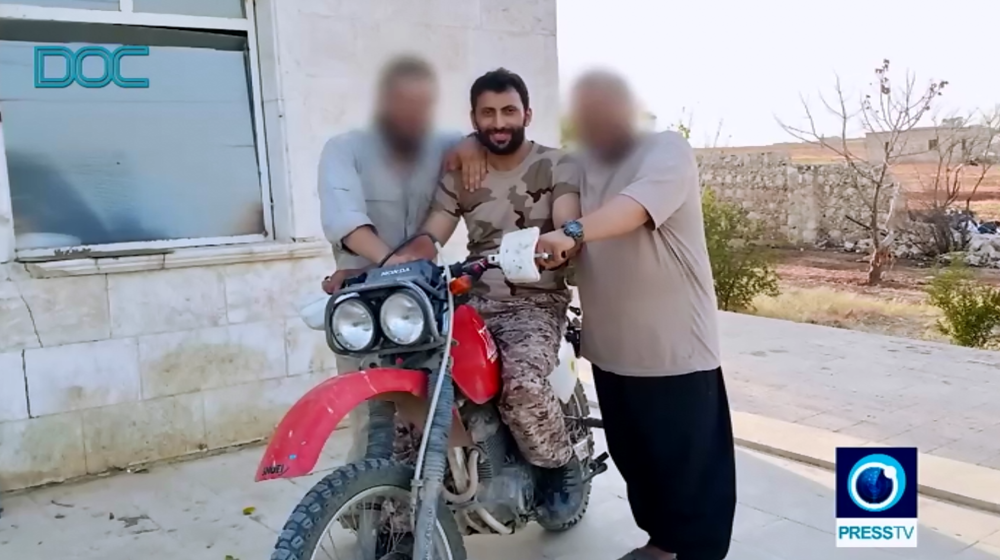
[111,5]
[932,144]
[156,145]
[213,8]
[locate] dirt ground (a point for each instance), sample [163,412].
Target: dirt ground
[827,288]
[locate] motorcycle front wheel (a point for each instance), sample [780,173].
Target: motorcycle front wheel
[369,503]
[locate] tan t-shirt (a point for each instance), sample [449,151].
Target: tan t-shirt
[648,299]
[509,201]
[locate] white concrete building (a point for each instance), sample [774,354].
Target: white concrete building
[155,237]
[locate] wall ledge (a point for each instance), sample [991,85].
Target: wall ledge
[180,258]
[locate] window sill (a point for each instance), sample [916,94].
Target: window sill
[181,258]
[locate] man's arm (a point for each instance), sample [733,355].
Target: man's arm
[342,201]
[664,181]
[441,221]
[567,182]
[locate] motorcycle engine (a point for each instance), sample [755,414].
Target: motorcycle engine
[506,483]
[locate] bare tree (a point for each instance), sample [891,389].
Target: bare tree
[982,155]
[962,152]
[685,126]
[957,159]
[714,142]
[889,112]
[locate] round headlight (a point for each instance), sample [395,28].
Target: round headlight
[402,319]
[353,325]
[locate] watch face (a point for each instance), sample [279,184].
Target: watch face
[573,229]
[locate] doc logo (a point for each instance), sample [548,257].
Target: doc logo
[876,497]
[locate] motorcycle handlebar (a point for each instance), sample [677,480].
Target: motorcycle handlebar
[477,267]
[474,268]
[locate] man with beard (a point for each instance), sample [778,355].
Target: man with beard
[527,185]
[649,330]
[376,185]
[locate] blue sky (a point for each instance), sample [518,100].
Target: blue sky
[746,61]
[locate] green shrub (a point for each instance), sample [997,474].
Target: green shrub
[971,310]
[742,268]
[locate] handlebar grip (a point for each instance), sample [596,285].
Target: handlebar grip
[474,268]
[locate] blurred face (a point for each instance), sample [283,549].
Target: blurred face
[500,120]
[603,119]
[406,111]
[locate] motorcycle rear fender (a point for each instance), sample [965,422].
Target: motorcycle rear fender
[298,440]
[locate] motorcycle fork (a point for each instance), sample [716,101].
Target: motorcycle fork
[446,431]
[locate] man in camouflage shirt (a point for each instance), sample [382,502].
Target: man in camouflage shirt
[527,185]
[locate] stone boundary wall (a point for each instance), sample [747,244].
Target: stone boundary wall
[803,204]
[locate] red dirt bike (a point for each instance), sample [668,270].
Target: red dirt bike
[469,477]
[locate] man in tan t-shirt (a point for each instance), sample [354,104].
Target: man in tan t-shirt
[528,185]
[649,328]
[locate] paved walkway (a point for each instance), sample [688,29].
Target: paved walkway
[194,511]
[941,398]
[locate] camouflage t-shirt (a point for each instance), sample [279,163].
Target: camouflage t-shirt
[509,201]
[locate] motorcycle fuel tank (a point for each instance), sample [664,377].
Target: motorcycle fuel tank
[476,366]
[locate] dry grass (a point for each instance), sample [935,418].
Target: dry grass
[851,310]
[986,210]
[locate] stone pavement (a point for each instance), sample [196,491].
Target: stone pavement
[943,399]
[194,511]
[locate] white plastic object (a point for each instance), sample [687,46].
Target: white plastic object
[564,377]
[517,256]
[313,312]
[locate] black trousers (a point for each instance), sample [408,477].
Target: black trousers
[672,440]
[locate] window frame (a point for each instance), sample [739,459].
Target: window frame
[126,16]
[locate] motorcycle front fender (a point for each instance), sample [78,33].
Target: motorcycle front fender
[298,440]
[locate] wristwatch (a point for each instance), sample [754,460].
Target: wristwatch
[574,230]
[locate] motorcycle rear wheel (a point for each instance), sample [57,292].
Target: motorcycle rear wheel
[577,407]
[333,497]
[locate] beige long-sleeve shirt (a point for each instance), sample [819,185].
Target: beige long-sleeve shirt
[359,186]
[648,297]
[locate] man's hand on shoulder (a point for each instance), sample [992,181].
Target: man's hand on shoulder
[469,157]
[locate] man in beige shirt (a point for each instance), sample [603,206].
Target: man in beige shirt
[375,189]
[649,329]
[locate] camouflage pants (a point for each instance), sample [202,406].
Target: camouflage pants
[528,333]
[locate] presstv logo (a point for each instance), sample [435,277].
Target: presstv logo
[877,497]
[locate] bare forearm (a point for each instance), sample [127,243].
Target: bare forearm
[366,243]
[566,208]
[620,216]
[440,225]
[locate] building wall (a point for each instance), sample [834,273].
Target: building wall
[114,361]
[915,146]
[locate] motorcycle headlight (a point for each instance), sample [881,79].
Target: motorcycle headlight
[402,319]
[353,325]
